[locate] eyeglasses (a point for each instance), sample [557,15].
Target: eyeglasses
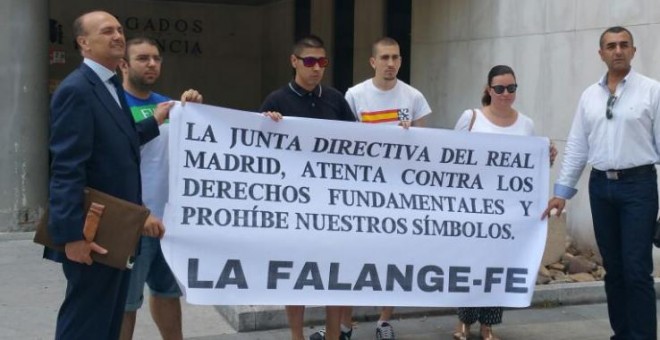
[146,58]
[311,61]
[499,89]
[610,105]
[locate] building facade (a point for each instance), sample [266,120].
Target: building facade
[236,52]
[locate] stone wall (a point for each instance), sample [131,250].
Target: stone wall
[24,112]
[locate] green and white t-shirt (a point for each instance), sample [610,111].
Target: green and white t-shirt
[154,158]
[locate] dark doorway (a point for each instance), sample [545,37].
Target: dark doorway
[398,14]
[302,14]
[343,56]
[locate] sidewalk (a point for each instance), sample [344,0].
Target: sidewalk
[33,289]
[583,322]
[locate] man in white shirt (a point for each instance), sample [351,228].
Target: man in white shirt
[384,99]
[614,130]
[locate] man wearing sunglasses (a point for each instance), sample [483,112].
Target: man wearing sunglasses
[616,130]
[304,96]
[384,99]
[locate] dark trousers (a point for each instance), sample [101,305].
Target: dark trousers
[94,302]
[624,213]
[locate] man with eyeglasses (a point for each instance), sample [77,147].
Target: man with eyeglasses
[304,96]
[141,69]
[384,99]
[615,131]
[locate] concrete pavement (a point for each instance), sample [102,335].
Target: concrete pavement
[585,322]
[32,289]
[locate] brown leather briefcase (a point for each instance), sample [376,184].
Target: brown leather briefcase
[119,228]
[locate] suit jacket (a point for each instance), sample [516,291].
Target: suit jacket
[93,142]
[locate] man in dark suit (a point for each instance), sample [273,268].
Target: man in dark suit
[94,142]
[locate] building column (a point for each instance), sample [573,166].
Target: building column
[24,112]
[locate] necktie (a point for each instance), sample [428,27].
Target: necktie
[121,96]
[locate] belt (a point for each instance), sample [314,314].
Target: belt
[623,173]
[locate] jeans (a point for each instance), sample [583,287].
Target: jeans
[624,213]
[150,267]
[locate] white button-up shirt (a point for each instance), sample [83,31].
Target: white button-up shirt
[626,140]
[105,75]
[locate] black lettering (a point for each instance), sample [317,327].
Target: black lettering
[455,278]
[403,280]
[163,25]
[149,26]
[334,283]
[188,213]
[436,282]
[193,271]
[181,26]
[197,26]
[226,278]
[368,278]
[491,279]
[131,23]
[309,276]
[526,205]
[274,273]
[513,277]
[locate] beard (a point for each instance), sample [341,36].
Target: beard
[141,83]
[389,77]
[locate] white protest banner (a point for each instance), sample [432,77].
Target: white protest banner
[318,212]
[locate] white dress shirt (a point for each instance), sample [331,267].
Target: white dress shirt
[626,140]
[105,74]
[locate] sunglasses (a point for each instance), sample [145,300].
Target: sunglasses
[610,105]
[311,61]
[499,89]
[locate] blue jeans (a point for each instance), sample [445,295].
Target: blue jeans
[624,213]
[150,267]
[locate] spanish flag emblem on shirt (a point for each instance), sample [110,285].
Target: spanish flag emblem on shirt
[384,116]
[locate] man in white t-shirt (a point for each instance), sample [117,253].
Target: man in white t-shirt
[384,99]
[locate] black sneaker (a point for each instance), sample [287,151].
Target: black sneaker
[346,335]
[320,335]
[385,332]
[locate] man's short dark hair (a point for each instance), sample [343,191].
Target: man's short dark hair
[310,41]
[616,29]
[138,41]
[384,41]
